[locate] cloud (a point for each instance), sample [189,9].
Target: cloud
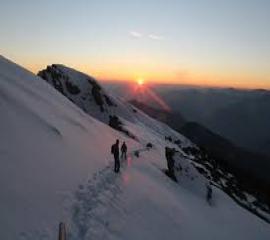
[135,34]
[155,37]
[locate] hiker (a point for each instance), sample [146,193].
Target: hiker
[209,193]
[115,152]
[169,153]
[124,151]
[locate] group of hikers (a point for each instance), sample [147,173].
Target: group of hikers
[115,151]
[169,153]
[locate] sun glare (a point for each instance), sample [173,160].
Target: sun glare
[140,81]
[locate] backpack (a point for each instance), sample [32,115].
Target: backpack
[112,149]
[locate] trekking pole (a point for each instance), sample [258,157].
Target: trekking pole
[62,231]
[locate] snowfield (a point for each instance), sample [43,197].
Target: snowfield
[56,166]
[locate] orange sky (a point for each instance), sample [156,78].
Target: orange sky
[167,75]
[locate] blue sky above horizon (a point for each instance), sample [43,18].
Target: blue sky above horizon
[191,42]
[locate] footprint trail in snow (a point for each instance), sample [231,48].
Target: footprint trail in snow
[92,201]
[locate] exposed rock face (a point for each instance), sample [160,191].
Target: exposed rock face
[97,96]
[72,88]
[87,94]
[52,76]
[81,89]
[115,123]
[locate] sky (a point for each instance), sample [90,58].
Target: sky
[203,42]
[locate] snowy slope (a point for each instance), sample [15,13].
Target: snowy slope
[56,166]
[48,146]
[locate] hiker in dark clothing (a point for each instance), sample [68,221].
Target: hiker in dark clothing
[209,193]
[169,157]
[124,151]
[169,153]
[115,152]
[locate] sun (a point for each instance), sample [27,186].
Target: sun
[140,81]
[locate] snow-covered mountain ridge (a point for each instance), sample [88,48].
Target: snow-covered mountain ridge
[56,166]
[88,95]
[94,100]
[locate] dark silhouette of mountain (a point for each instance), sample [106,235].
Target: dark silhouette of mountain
[242,116]
[245,122]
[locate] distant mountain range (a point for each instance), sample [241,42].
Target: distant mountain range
[241,116]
